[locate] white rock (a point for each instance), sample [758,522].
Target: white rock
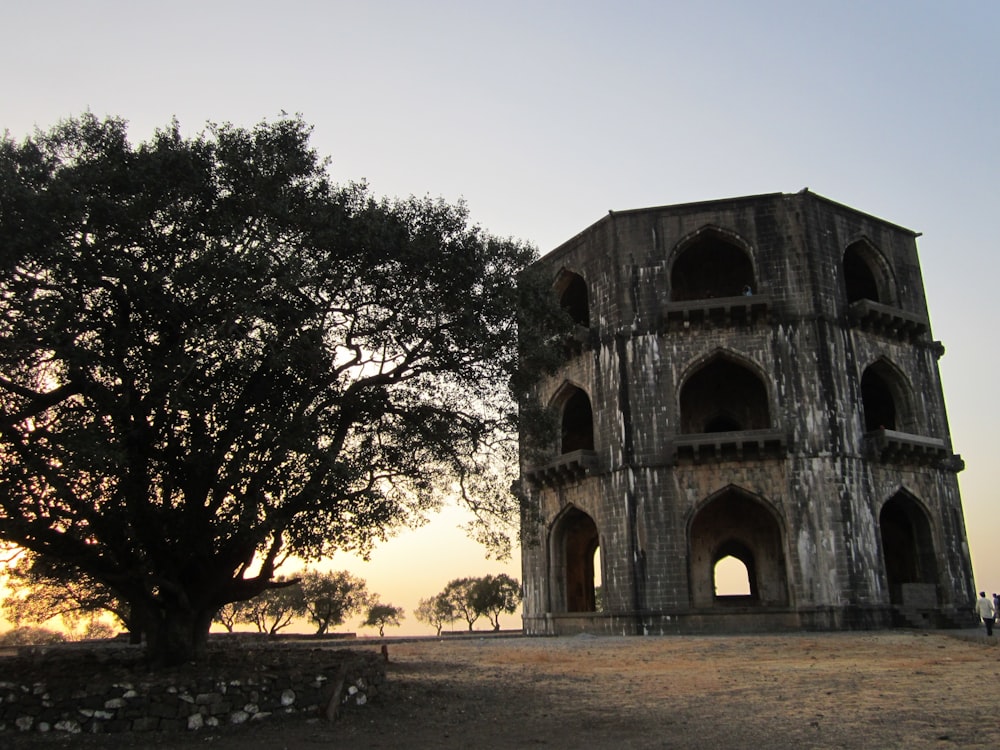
[287,697]
[238,717]
[196,721]
[68,726]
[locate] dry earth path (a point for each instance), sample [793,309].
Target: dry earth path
[895,689]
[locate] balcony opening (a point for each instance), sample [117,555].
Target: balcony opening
[723,396]
[711,266]
[577,423]
[573,297]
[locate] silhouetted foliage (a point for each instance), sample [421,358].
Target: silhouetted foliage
[212,358]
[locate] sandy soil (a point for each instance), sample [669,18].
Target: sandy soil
[834,690]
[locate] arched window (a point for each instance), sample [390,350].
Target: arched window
[866,274]
[573,297]
[885,399]
[880,409]
[711,265]
[577,423]
[723,396]
[731,576]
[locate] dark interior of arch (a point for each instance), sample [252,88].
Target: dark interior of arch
[736,548]
[574,300]
[579,540]
[907,545]
[577,423]
[858,275]
[878,403]
[723,396]
[710,267]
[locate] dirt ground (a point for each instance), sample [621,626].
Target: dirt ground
[912,689]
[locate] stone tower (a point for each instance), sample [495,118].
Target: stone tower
[753,382]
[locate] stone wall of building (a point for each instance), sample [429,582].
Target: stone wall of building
[741,359]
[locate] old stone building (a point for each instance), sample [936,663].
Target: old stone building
[752,382]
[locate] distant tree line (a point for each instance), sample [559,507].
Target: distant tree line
[469,599]
[39,594]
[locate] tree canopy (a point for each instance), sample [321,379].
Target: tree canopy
[381,615]
[213,357]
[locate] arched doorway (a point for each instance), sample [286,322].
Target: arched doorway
[577,422]
[907,548]
[734,524]
[575,543]
[733,574]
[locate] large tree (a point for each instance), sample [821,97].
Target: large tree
[212,357]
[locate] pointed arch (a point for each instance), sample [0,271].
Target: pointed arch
[574,297]
[907,544]
[573,545]
[734,522]
[711,262]
[723,393]
[867,274]
[887,398]
[576,418]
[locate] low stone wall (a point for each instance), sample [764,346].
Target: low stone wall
[70,690]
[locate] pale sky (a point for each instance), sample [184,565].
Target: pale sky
[545,115]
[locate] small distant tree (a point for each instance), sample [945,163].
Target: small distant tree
[492,595]
[435,611]
[330,597]
[229,615]
[382,615]
[459,594]
[275,608]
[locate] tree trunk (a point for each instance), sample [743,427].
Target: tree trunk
[177,636]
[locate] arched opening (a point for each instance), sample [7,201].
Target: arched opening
[885,399]
[879,406]
[598,582]
[577,423]
[741,530]
[710,266]
[723,396]
[577,558]
[907,546]
[859,278]
[573,297]
[732,578]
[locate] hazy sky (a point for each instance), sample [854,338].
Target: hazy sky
[543,116]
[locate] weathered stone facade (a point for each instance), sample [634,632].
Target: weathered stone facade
[755,379]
